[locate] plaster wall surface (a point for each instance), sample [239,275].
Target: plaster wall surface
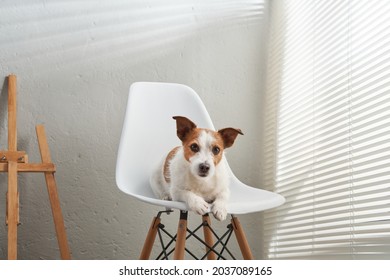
[75,61]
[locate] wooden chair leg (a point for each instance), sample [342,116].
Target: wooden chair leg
[150,238]
[181,236]
[53,196]
[241,239]
[208,236]
[13,210]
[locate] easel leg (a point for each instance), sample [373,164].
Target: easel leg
[208,236]
[13,205]
[57,216]
[150,238]
[13,210]
[181,236]
[241,239]
[53,196]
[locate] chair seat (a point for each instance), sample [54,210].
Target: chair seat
[243,199]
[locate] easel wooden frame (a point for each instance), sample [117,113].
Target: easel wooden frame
[13,161]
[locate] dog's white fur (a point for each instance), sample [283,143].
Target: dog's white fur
[178,176]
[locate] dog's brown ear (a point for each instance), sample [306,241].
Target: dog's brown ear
[229,135]
[183,127]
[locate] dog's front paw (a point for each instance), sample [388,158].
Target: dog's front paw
[219,212]
[199,205]
[166,197]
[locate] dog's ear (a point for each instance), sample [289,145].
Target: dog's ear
[229,135]
[183,127]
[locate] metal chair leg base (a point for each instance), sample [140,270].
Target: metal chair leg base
[174,246]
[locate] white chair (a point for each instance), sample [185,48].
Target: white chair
[149,132]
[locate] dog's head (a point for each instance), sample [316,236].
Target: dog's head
[203,148]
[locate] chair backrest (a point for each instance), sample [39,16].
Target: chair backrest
[149,132]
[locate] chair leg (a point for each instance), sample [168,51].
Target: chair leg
[181,236]
[150,238]
[241,239]
[208,237]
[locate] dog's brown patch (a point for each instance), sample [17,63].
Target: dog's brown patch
[167,173]
[192,138]
[219,143]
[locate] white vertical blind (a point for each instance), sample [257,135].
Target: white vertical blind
[327,130]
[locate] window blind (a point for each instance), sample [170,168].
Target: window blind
[327,130]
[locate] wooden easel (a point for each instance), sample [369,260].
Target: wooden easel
[14,161]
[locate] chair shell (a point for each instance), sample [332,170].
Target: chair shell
[149,133]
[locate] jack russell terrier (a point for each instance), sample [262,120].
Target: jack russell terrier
[196,172]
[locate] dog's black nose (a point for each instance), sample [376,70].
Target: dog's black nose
[204,168]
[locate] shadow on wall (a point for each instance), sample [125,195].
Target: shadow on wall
[90,30]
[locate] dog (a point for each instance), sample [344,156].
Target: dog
[196,172]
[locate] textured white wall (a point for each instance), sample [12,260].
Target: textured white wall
[75,61]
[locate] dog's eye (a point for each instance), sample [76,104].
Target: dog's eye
[216,150]
[195,148]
